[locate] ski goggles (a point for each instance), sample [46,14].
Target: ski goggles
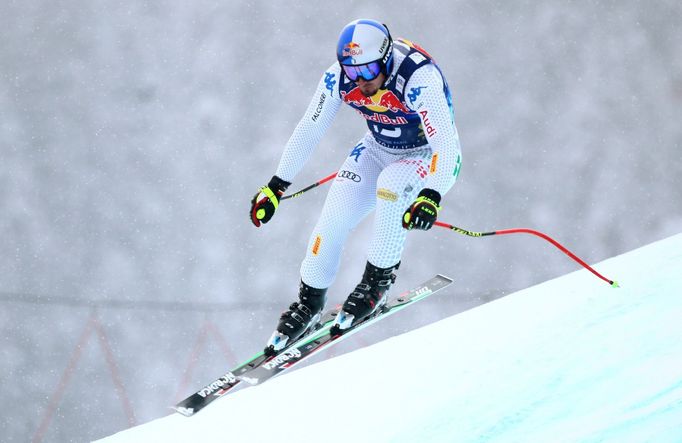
[368,71]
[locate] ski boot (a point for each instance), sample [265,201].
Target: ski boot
[368,297]
[301,317]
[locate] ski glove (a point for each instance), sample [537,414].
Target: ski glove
[265,202]
[423,212]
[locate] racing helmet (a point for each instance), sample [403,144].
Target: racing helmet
[365,49]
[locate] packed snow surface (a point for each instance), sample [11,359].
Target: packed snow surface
[569,360]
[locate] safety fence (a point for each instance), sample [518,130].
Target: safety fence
[94,330]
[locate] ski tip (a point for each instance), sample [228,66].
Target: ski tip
[614,284]
[445,277]
[187,412]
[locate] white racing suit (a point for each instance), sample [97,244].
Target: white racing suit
[412,143]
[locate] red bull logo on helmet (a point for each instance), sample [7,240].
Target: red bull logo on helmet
[383,101]
[352,49]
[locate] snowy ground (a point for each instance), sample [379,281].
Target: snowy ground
[570,360]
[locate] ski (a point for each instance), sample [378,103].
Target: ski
[261,367]
[216,389]
[228,381]
[329,336]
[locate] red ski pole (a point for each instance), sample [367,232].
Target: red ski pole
[559,246]
[466,232]
[308,188]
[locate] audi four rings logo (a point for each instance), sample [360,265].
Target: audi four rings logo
[349,175]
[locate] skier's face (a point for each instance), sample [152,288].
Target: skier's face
[369,88]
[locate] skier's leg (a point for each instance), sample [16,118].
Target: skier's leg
[397,187]
[350,199]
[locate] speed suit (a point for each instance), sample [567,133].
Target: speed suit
[412,143]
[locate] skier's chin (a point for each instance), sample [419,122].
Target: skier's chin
[369,91]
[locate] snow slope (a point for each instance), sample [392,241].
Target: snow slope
[569,360]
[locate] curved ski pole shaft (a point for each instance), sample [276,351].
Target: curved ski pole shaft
[466,232]
[546,237]
[308,188]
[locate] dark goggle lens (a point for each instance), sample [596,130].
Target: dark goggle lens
[368,72]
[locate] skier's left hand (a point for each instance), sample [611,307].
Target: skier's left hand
[423,213]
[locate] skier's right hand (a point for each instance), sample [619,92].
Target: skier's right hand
[265,202]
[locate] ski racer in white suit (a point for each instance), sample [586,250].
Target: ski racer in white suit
[407,161]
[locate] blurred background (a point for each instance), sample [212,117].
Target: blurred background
[134,134]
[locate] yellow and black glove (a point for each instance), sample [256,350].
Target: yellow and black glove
[423,213]
[265,202]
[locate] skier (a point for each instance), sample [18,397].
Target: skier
[405,163]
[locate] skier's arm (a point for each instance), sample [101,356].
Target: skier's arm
[301,144]
[425,94]
[309,131]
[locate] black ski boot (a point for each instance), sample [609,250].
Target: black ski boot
[301,317]
[368,296]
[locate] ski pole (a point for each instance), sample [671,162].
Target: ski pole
[559,246]
[468,233]
[308,188]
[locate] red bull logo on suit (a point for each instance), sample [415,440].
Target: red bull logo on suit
[383,101]
[385,119]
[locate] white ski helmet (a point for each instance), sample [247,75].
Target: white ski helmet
[365,43]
